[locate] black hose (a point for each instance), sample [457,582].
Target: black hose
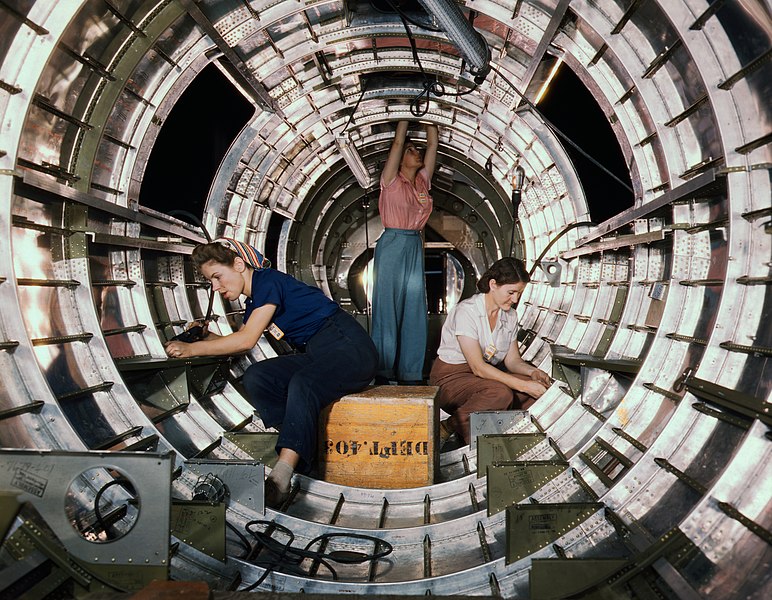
[117,481]
[193,336]
[560,134]
[366,207]
[284,554]
[194,218]
[564,231]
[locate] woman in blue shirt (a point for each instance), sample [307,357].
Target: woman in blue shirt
[337,356]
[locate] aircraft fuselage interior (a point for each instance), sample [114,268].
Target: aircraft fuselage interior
[620,148]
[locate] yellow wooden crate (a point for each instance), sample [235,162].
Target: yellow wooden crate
[383,437]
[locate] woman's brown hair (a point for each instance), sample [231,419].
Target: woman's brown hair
[503,271]
[214,251]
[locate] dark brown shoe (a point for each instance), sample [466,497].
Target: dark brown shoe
[274,497]
[446,431]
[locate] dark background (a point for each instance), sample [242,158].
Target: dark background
[210,113]
[192,143]
[569,105]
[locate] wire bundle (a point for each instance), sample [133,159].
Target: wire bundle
[290,558]
[430,87]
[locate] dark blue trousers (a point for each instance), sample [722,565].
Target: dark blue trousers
[289,392]
[399,304]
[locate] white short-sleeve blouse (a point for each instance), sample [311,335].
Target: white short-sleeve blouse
[468,318]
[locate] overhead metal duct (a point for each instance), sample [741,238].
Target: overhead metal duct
[469,41]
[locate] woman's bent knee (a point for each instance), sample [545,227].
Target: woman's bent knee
[500,396]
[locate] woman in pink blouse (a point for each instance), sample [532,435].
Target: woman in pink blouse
[399,288]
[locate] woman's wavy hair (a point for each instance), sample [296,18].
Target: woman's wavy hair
[503,271]
[214,251]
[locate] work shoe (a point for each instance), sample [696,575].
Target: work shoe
[446,431]
[274,497]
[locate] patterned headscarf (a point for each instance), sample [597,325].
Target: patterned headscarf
[249,254]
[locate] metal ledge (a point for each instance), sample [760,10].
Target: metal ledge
[701,184]
[43,189]
[616,242]
[155,364]
[615,365]
[734,400]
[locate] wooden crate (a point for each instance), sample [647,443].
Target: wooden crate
[383,437]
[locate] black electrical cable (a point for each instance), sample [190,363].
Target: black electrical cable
[244,541]
[265,540]
[512,239]
[194,218]
[430,87]
[196,332]
[564,231]
[102,490]
[285,553]
[560,134]
[366,208]
[356,106]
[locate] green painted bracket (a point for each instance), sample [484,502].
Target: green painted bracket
[511,482]
[200,524]
[531,527]
[494,448]
[261,446]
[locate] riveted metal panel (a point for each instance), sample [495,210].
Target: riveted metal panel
[46,477]
[200,524]
[493,421]
[497,448]
[531,527]
[259,445]
[554,578]
[510,482]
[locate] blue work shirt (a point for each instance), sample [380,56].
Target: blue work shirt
[301,309]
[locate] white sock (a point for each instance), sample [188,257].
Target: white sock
[281,474]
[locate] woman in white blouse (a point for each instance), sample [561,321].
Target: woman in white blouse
[478,365]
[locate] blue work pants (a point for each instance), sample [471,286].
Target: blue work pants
[399,304]
[289,392]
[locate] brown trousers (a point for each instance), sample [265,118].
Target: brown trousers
[462,393]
